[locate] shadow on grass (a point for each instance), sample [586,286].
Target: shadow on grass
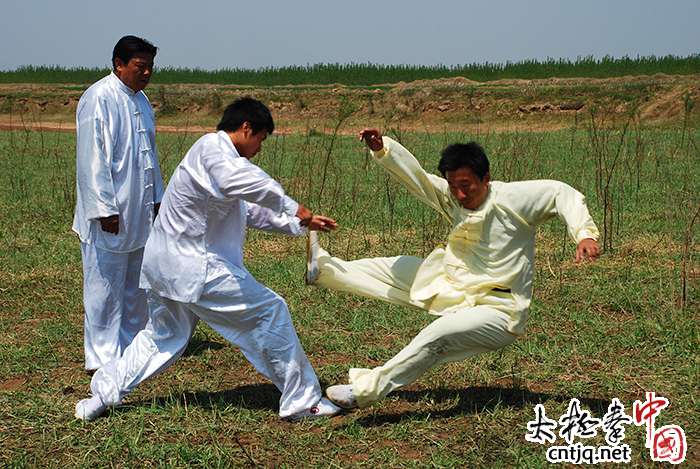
[475,400]
[198,346]
[470,401]
[250,396]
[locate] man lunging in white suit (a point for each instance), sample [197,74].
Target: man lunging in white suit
[193,265]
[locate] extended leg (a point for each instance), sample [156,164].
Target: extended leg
[257,320]
[383,278]
[451,337]
[154,349]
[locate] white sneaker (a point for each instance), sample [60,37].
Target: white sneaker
[89,409]
[324,408]
[342,395]
[312,271]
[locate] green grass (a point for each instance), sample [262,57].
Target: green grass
[373,74]
[610,329]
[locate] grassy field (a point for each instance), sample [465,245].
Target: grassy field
[372,74]
[617,328]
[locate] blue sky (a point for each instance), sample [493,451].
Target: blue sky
[214,34]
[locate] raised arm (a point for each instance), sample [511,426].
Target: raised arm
[403,166]
[538,201]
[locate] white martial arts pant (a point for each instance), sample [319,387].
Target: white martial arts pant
[115,306]
[453,336]
[245,313]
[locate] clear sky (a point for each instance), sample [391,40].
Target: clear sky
[214,34]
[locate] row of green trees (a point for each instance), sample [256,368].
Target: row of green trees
[367,74]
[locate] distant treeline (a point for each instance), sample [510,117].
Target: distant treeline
[373,74]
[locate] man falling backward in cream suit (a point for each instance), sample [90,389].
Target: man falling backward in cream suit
[480,284]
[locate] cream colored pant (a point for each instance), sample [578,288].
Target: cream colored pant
[451,337]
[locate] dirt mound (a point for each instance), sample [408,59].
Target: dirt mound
[669,104]
[454,82]
[442,104]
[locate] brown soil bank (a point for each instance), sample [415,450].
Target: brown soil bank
[430,105]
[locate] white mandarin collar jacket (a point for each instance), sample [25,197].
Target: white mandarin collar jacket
[117,171]
[212,196]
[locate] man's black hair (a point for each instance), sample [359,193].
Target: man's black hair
[246,110]
[464,155]
[129,46]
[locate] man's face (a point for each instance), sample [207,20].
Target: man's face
[250,143]
[137,73]
[467,188]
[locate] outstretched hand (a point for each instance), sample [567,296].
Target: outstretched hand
[315,222]
[587,250]
[372,138]
[322,223]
